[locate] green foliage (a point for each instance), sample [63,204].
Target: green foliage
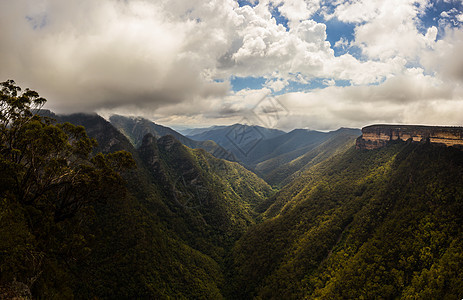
[210,202]
[50,182]
[279,172]
[365,224]
[76,223]
[156,242]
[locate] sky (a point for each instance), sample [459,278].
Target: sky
[317,64]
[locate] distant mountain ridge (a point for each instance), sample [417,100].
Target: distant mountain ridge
[239,139]
[220,132]
[282,169]
[135,128]
[276,155]
[196,131]
[271,153]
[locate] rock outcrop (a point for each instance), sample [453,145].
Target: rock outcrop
[377,136]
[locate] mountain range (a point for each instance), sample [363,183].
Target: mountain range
[267,215]
[271,153]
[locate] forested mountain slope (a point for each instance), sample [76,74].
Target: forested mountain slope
[184,209]
[385,223]
[136,128]
[273,154]
[83,225]
[280,170]
[276,155]
[111,221]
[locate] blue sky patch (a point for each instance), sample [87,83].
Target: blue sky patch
[316,83]
[433,16]
[253,83]
[335,30]
[278,17]
[242,3]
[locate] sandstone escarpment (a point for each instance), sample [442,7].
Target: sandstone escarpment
[377,136]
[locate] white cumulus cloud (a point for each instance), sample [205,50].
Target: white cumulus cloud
[173,59]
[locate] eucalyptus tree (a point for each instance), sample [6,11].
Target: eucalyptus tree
[49,181]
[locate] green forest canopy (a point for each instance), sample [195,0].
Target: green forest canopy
[50,179]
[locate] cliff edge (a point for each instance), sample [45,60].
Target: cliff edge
[377,136]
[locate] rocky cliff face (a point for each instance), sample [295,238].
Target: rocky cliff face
[377,136]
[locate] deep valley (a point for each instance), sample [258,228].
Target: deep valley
[136,210]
